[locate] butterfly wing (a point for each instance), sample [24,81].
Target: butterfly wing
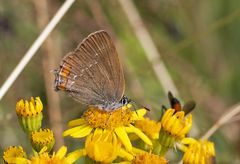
[189,106]
[92,74]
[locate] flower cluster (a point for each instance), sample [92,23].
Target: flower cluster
[42,139]
[124,135]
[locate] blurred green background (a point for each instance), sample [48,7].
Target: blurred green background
[198,42]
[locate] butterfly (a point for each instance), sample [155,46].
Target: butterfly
[92,73]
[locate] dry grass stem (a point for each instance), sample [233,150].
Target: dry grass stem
[149,47]
[50,52]
[35,46]
[226,118]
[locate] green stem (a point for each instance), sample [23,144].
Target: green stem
[163,151]
[89,160]
[156,147]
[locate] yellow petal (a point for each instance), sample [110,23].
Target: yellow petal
[139,133]
[76,122]
[125,155]
[189,119]
[98,131]
[185,130]
[182,147]
[32,108]
[70,131]
[114,139]
[88,140]
[44,149]
[167,115]
[122,135]
[84,131]
[138,151]
[197,159]
[75,155]
[61,152]
[26,107]
[18,160]
[187,126]
[97,135]
[39,104]
[73,130]
[171,122]
[98,154]
[180,115]
[138,114]
[176,128]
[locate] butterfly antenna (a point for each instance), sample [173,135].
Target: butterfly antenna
[134,106]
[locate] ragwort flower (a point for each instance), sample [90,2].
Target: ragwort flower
[118,122]
[13,152]
[198,151]
[30,114]
[103,146]
[174,128]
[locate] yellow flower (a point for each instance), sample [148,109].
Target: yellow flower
[150,127]
[102,146]
[30,114]
[13,152]
[198,151]
[41,138]
[118,122]
[174,127]
[176,124]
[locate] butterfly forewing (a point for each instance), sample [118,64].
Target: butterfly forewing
[94,74]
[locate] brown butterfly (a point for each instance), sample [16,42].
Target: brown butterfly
[92,73]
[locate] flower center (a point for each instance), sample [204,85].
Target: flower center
[98,118]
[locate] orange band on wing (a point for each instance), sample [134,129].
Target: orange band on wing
[65,71]
[63,76]
[63,83]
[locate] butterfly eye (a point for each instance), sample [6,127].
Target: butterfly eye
[125,100]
